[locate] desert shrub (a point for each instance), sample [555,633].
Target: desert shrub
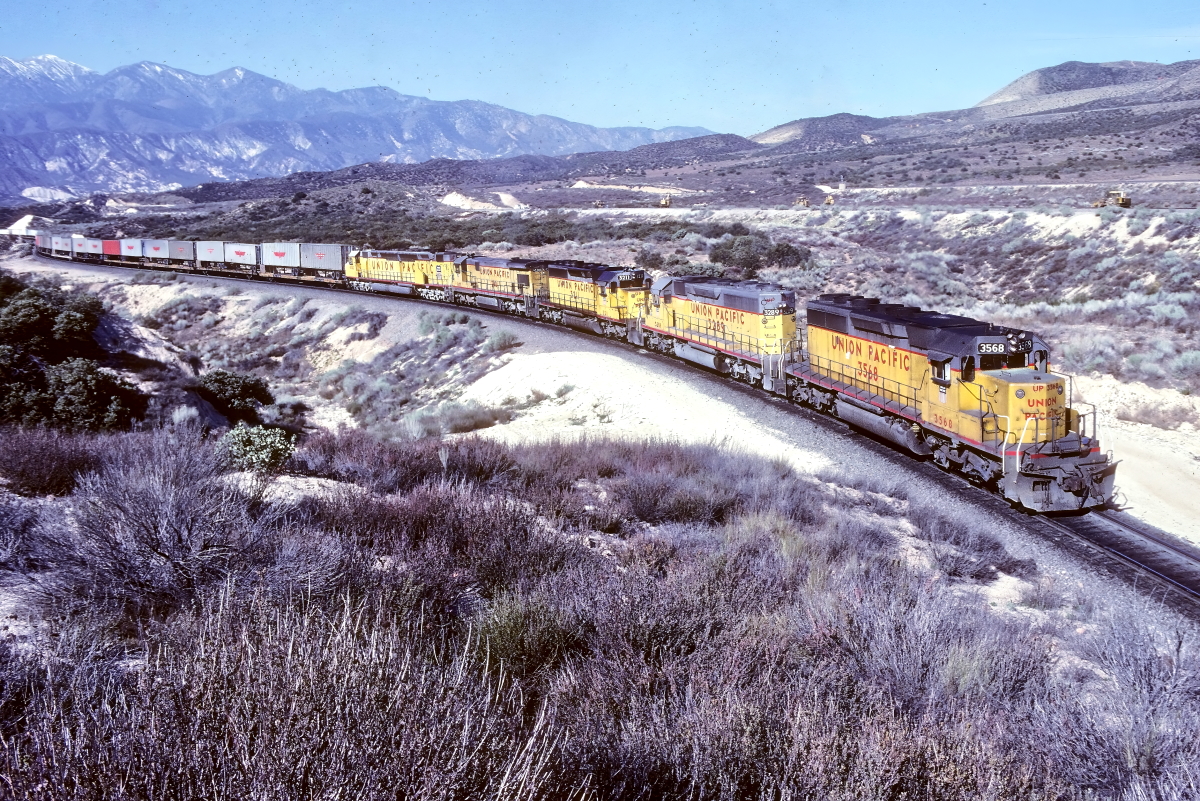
[236,395]
[48,372]
[81,396]
[386,395]
[966,552]
[153,526]
[398,466]
[1159,415]
[742,253]
[375,322]
[501,341]
[459,418]
[649,259]
[257,448]
[469,644]
[17,521]
[50,324]
[40,461]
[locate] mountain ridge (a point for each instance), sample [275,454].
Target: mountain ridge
[148,126]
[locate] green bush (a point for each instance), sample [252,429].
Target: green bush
[49,324]
[48,375]
[236,395]
[81,396]
[257,448]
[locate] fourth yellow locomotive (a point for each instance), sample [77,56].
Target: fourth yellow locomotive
[976,398]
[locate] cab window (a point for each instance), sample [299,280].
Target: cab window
[940,371]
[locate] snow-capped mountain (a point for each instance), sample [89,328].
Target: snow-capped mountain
[147,126]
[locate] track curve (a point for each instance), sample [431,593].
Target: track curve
[1151,562]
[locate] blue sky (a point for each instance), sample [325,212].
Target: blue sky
[739,68]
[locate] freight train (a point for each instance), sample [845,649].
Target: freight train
[977,399]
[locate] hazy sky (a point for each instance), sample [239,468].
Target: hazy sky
[732,67]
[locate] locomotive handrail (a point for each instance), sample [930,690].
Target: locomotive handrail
[834,368]
[1017,458]
[1004,446]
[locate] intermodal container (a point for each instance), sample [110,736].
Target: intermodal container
[155,249]
[181,251]
[131,248]
[210,251]
[241,253]
[323,257]
[62,243]
[281,254]
[87,247]
[112,247]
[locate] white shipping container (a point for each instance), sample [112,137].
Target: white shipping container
[323,257]
[281,254]
[241,253]
[182,251]
[93,246]
[79,245]
[210,251]
[154,248]
[131,248]
[62,243]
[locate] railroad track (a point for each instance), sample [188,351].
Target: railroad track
[1171,566]
[1109,540]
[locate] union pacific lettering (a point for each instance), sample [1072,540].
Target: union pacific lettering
[872,352]
[718,313]
[495,272]
[1034,403]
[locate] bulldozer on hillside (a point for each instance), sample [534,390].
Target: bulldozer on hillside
[1114,197]
[801,201]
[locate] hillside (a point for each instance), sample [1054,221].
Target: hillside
[159,127]
[1061,134]
[603,614]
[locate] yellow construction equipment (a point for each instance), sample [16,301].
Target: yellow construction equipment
[801,201]
[1114,197]
[665,201]
[829,200]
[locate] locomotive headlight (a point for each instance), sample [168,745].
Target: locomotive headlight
[1020,393]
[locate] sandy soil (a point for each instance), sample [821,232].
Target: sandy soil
[1159,475]
[594,393]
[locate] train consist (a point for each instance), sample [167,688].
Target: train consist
[977,399]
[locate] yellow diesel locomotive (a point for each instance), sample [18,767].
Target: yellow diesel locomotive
[976,398]
[745,329]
